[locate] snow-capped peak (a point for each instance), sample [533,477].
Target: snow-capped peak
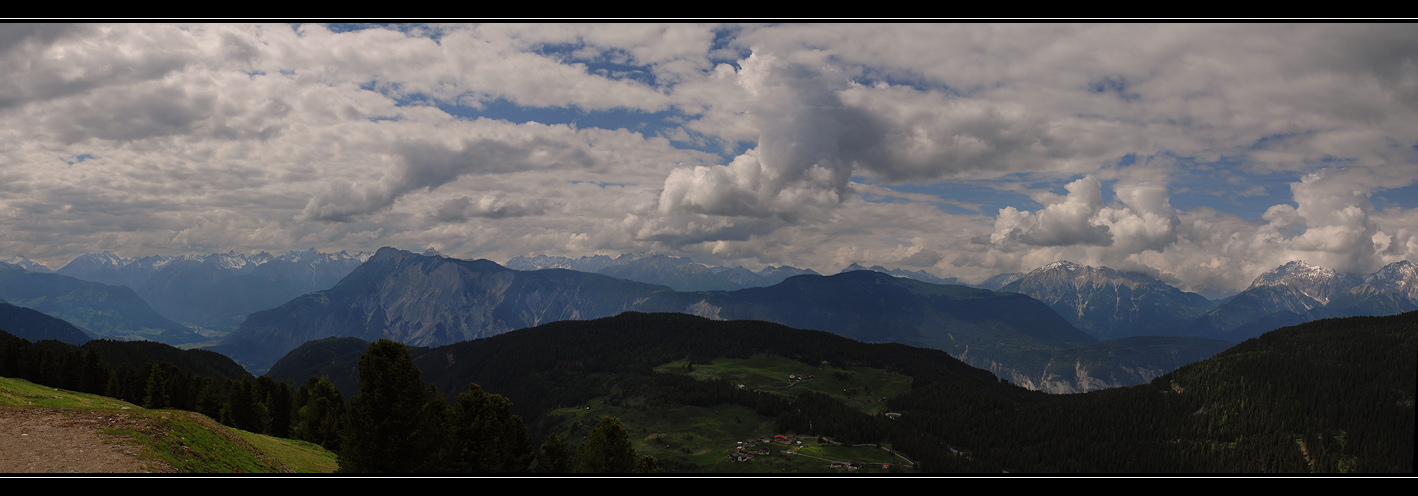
[1400,278]
[1395,273]
[103,259]
[230,260]
[27,264]
[1312,280]
[1061,264]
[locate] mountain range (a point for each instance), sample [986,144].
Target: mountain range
[36,326]
[216,291]
[678,273]
[1299,292]
[1107,303]
[100,310]
[433,301]
[430,300]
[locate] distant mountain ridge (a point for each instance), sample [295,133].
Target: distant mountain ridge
[919,275]
[27,264]
[1318,283]
[1108,303]
[36,326]
[216,291]
[1299,292]
[430,301]
[678,273]
[101,310]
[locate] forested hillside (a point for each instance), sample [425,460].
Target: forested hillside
[1331,396]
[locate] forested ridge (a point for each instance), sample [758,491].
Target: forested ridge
[1329,396]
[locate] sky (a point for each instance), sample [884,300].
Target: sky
[1200,154]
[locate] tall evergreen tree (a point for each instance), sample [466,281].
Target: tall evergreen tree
[553,458]
[607,450]
[394,425]
[276,397]
[320,410]
[484,435]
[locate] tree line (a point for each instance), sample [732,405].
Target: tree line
[396,424]
[1342,388]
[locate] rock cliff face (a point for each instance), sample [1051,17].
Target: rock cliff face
[1107,303]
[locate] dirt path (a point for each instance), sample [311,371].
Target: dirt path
[50,440]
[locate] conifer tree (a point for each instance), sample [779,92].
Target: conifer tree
[319,413]
[484,435]
[394,425]
[607,450]
[648,465]
[553,458]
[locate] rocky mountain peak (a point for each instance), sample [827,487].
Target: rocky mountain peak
[1311,280]
[1399,278]
[1062,265]
[27,264]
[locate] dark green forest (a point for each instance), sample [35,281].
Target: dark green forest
[1331,396]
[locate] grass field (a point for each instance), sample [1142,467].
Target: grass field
[690,439]
[19,392]
[188,442]
[860,387]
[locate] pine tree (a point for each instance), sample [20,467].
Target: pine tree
[395,423]
[484,435]
[648,465]
[607,450]
[552,458]
[319,413]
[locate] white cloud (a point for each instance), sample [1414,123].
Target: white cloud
[1072,221]
[212,137]
[491,206]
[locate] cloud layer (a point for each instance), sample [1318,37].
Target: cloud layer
[1202,154]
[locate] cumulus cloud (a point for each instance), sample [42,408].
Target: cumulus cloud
[1145,220]
[797,164]
[67,60]
[1070,221]
[802,144]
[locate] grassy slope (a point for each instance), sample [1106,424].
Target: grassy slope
[189,442]
[860,387]
[690,439]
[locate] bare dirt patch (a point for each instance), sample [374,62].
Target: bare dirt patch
[53,440]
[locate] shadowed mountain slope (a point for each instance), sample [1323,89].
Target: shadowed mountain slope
[36,326]
[101,310]
[431,301]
